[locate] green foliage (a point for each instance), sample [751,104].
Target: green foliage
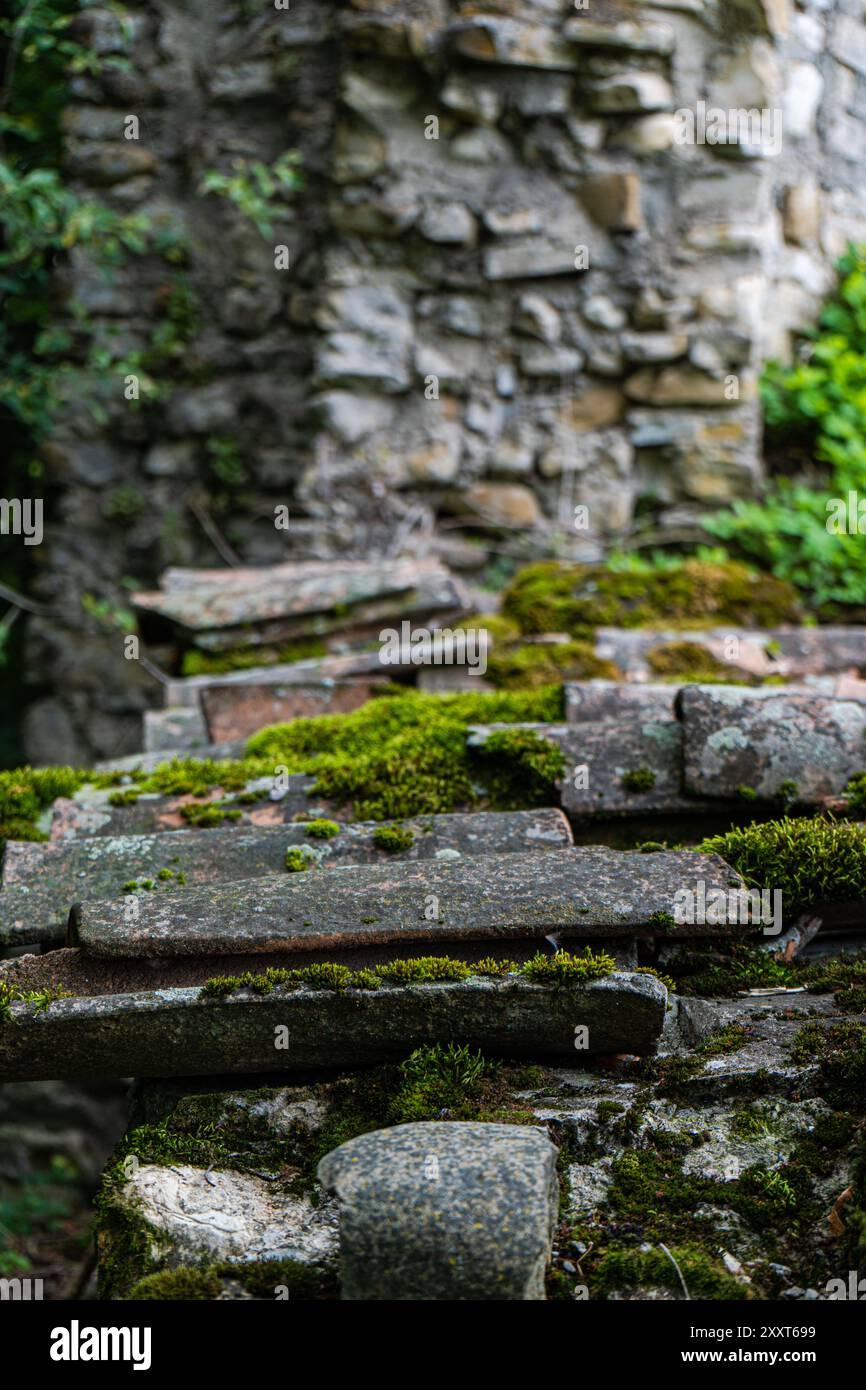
[522,767]
[26,792]
[639,779]
[321,829]
[526,666]
[821,399]
[257,190]
[226,461]
[198,663]
[812,861]
[564,968]
[298,858]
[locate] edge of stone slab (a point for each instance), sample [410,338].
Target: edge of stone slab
[184,1032]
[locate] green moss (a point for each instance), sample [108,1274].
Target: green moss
[528,666]
[841,1052]
[26,792]
[564,968]
[622,1267]
[393,838]
[423,970]
[321,829]
[13,994]
[640,779]
[812,861]
[206,816]
[521,768]
[688,661]
[198,663]
[688,593]
[666,980]
[490,966]
[124,798]
[299,858]
[436,1079]
[855,794]
[663,920]
[185,1284]
[401,755]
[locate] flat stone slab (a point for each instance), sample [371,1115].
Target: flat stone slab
[589,702]
[573,894]
[175,728]
[792,652]
[42,881]
[183,1032]
[760,739]
[146,762]
[90,811]
[444,1211]
[280,601]
[188,690]
[237,711]
[601,759]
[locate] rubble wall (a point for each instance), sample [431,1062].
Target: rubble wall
[511,286]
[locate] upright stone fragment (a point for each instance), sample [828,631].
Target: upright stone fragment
[794,746]
[444,1211]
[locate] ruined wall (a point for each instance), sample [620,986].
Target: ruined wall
[512,289]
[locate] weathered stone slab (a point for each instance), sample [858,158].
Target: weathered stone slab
[633,37]
[90,811]
[445,1211]
[182,1032]
[589,702]
[237,711]
[614,767]
[763,739]
[222,606]
[187,691]
[216,1216]
[792,652]
[174,728]
[146,762]
[573,894]
[42,881]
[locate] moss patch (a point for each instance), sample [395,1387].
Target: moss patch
[688,593]
[689,661]
[393,839]
[812,860]
[199,663]
[527,666]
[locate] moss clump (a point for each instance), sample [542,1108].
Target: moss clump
[212,813]
[185,1285]
[528,666]
[26,792]
[689,593]
[393,838]
[812,860]
[436,1079]
[423,970]
[299,858]
[400,755]
[198,663]
[124,798]
[326,975]
[705,1276]
[841,1052]
[689,662]
[564,968]
[490,966]
[855,794]
[13,994]
[521,767]
[321,829]
[640,779]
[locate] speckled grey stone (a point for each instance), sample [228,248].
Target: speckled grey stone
[444,1212]
[761,739]
[589,701]
[183,1032]
[583,892]
[41,881]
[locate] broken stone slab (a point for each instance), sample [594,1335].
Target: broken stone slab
[209,1217]
[588,702]
[632,37]
[614,767]
[765,739]
[234,711]
[792,652]
[572,894]
[444,1210]
[183,1032]
[255,606]
[175,728]
[90,812]
[188,691]
[41,881]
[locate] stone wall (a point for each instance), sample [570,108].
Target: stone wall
[512,290]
